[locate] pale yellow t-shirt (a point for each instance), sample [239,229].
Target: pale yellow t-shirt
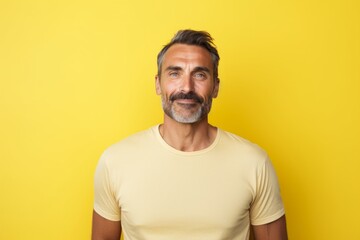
[160,193]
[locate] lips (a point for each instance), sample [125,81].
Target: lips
[185,101]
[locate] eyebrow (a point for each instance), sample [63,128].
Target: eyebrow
[201,69]
[173,68]
[196,69]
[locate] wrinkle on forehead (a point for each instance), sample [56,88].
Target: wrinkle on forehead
[187,56]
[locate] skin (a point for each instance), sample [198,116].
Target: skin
[103,229]
[185,69]
[275,230]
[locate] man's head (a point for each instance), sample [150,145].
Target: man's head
[187,77]
[196,38]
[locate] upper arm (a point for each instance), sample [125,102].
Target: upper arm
[267,205]
[104,229]
[275,230]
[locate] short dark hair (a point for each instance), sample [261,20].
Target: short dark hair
[191,37]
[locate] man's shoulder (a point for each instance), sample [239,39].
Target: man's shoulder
[133,142]
[233,142]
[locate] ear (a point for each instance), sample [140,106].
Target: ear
[157,85]
[216,88]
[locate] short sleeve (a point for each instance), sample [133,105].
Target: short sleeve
[105,203]
[267,205]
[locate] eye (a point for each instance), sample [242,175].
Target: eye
[200,75]
[174,74]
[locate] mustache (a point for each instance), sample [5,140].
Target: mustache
[189,95]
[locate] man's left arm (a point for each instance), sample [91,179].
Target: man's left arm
[275,230]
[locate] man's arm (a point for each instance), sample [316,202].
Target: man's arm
[103,229]
[272,231]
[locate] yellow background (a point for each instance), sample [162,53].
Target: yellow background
[77,76]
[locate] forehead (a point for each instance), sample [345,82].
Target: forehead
[183,54]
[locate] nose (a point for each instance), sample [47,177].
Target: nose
[187,83]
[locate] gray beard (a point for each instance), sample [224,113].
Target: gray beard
[194,117]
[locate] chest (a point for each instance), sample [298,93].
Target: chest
[185,197]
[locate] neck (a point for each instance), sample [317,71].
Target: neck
[188,137]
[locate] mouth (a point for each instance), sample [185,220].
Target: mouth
[187,104]
[186,101]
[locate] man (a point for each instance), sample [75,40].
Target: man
[186,179]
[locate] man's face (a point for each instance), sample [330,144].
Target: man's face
[186,84]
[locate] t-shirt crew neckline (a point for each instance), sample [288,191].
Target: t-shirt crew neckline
[158,136]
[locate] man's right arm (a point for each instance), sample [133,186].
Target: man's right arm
[103,229]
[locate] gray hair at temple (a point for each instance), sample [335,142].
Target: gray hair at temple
[192,37]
